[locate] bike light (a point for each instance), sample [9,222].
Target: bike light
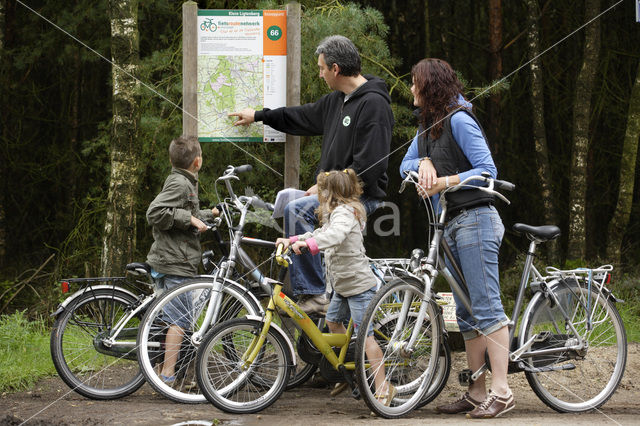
[64,285]
[608,280]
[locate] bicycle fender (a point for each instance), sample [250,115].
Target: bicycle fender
[606,292]
[238,287]
[526,314]
[62,306]
[282,333]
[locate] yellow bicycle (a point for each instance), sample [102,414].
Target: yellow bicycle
[243,364]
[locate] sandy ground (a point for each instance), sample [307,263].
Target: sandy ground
[51,403]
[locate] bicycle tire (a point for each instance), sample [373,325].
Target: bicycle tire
[441,376]
[411,374]
[236,302]
[75,341]
[221,377]
[598,368]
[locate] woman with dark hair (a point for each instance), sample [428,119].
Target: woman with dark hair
[449,147]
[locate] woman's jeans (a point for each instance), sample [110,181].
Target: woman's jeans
[474,237]
[306,271]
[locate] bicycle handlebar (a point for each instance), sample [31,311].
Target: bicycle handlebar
[259,203]
[493,184]
[503,184]
[243,169]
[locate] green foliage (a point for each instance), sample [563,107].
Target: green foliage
[24,352]
[56,111]
[626,287]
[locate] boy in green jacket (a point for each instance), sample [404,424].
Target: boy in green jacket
[177,222]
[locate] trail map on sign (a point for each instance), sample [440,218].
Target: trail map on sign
[225,84]
[242,63]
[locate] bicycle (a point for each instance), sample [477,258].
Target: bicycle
[93,339]
[569,333]
[243,364]
[256,287]
[205,312]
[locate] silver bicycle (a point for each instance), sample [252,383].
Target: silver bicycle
[570,341]
[93,339]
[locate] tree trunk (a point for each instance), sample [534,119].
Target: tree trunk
[427,31]
[622,213]
[539,130]
[581,110]
[3,233]
[120,230]
[495,72]
[445,17]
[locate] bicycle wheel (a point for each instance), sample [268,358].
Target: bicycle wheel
[441,376]
[191,300]
[224,378]
[411,372]
[79,353]
[443,368]
[575,380]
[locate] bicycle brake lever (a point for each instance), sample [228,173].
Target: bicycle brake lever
[403,186]
[410,176]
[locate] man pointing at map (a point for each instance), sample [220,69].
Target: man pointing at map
[355,121]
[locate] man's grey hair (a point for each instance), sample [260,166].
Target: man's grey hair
[340,50]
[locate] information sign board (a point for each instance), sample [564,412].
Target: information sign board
[242,63]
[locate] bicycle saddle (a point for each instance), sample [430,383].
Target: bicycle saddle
[541,233]
[138,268]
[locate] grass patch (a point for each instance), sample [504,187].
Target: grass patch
[626,288]
[24,352]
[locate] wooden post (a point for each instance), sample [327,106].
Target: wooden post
[292,144]
[190,68]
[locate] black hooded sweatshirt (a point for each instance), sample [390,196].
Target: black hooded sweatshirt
[356,133]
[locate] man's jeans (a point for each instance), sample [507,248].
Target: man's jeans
[300,217]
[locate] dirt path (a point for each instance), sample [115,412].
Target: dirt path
[50,403]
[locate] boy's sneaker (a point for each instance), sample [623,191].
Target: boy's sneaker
[493,406]
[463,405]
[169,380]
[317,304]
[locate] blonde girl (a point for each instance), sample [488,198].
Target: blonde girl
[343,219]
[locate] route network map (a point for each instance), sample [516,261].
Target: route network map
[225,84]
[242,63]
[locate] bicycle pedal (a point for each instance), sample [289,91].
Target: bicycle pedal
[464,377]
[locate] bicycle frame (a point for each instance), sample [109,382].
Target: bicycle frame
[428,268]
[433,264]
[322,341]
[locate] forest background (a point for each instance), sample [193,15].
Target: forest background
[80,161]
